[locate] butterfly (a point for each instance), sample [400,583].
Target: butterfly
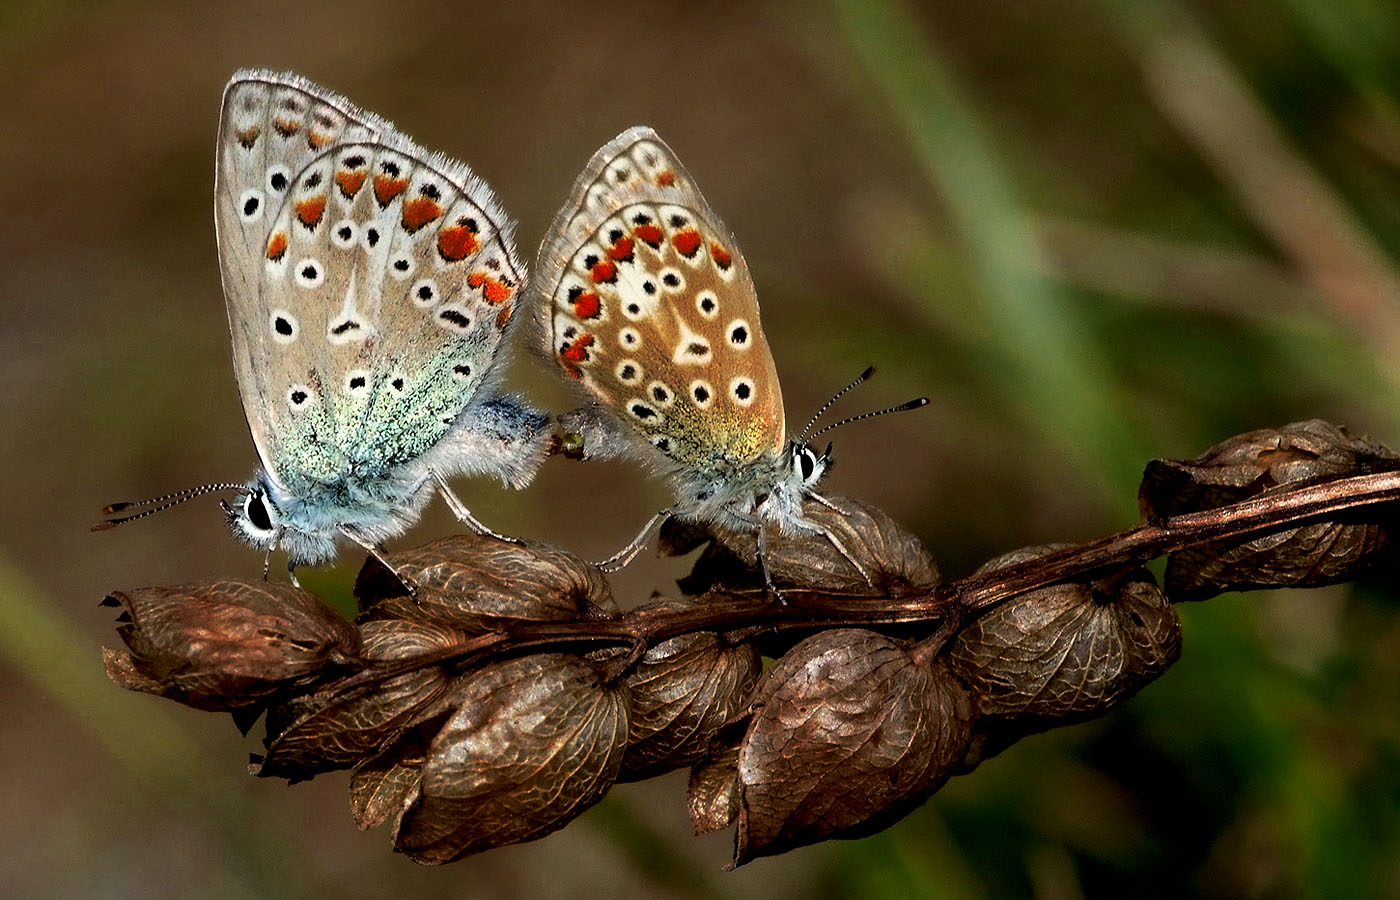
[645,302]
[370,286]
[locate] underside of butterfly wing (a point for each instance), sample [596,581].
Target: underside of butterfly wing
[649,305]
[369,283]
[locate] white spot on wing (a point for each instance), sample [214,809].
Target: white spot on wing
[250,205]
[310,274]
[691,348]
[344,234]
[349,326]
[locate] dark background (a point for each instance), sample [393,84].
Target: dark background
[1092,232]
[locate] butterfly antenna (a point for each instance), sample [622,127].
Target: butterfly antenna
[911,404]
[802,438]
[156,504]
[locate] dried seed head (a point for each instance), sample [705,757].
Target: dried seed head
[1063,653]
[338,727]
[465,580]
[1258,464]
[897,563]
[853,732]
[533,742]
[226,645]
[682,691]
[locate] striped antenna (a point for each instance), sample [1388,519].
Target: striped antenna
[912,404]
[156,504]
[864,376]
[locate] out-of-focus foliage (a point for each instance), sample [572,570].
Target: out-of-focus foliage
[1093,232]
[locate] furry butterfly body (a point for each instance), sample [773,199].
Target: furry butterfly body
[370,285]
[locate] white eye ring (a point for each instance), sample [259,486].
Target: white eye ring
[805,465]
[250,205]
[255,512]
[741,390]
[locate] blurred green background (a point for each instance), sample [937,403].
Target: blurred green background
[1093,231]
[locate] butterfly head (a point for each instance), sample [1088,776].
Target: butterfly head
[806,467]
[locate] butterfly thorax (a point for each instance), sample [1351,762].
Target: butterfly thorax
[307,522]
[742,496]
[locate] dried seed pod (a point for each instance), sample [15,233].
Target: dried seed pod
[466,580]
[1249,464]
[335,727]
[682,691]
[712,796]
[534,741]
[382,784]
[1257,464]
[225,645]
[897,563]
[1063,653]
[854,731]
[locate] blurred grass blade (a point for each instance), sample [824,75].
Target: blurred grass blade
[1044,355]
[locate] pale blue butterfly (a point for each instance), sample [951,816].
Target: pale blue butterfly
[370,285]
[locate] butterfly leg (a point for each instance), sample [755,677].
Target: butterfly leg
[763,565]
[464,515]
[621,558]
[841,548]
[368,547]
[761,559]
[834,540]
[292,573]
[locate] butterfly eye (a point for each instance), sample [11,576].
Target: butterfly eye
[804,463]
[255,511]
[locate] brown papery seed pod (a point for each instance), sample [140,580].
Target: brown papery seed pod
[854,731]
[1063,653]
[334,728]
[466,579]
[712,795]
[1259,464]
[225,645]
[682,691]
[382,784]
[534,741]
[897,563]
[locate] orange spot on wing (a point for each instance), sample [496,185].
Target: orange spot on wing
[587,305]
[577,349]
[497,291]
[286,127]
[575,352]
[277,246]
[494,290]
[310,210]
[622,250]
[387,188]
[350,182]
[248,136]
[604,272]
[503,317]
[457,242]
[650,234]
[419,212]
[666,178]
[686,242]
[721,256]
[316,139]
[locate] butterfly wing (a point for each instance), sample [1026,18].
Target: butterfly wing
[369,282]
[650,306]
